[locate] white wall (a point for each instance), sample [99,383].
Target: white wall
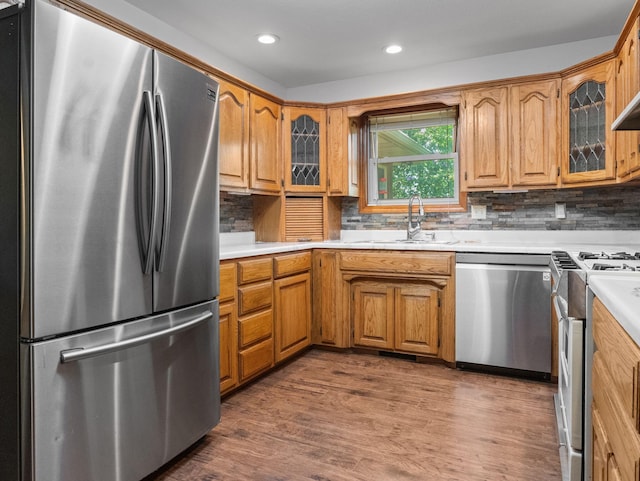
[135,17]
[514,64]
[540,60]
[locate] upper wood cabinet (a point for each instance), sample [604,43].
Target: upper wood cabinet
[627,86]
[266,158]
[342,153]
[233,149]
[485,153]
[535,138]
[305,151]
[587,110]
[510,136]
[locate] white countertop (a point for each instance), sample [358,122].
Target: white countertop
[621,296]
[236,245]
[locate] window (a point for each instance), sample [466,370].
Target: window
[413,153]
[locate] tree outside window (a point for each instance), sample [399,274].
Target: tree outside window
[413,153]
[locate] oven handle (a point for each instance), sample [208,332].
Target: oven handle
[556,306]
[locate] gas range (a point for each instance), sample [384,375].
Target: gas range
[609,262]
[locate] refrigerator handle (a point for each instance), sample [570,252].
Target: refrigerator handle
[80,353]
[166,217]
[148,257]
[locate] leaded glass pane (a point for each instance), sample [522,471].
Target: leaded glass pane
[587,130]
[305,151]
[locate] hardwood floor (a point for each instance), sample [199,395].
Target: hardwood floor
[345,417]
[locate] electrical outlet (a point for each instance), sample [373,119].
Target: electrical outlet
[561,210]
[478,211]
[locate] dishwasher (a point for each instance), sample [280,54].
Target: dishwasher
[503,313]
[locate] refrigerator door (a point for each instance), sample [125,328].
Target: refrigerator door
[187,234]
[87,108]
[118,402]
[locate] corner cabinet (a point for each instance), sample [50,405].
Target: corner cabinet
[233,147]
[266,135]
[342,153]
[305,137]
[627,86]
[588,144]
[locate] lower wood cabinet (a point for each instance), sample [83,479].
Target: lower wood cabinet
[265,314]
[397,315]
[394,300]
[228,328]
[616,400]
[293,314]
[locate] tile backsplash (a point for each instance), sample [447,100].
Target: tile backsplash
[602,208]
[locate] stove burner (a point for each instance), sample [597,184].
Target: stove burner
[624,256]
[609,267]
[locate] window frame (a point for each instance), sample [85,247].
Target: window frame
[364,166]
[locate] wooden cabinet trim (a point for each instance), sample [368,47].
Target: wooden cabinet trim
[398,262]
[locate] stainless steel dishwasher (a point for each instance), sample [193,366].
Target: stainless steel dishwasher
[503,313]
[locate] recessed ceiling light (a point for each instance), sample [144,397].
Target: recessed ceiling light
[393,49]
[267,38]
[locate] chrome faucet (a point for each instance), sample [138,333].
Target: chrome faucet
[414,230]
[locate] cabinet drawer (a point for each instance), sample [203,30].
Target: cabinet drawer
[254,297]
[255,328]
[622,436]
[256,359]
[622,357]
[439,263]
[227,282]
[252,270]
[291,264]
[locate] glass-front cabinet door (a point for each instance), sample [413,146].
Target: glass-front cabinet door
[588,143]
[305,149]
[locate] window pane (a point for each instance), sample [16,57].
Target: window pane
[431,179]
[413,153]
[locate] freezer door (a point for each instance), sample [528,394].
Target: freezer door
[187,239]
[117,403]
[87,108]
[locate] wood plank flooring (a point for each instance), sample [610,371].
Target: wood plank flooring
[331,416]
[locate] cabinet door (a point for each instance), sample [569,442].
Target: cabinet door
[485,155]
[417,318]
[534,133]
[342,153]
[228,347]
[292,315]
[588,146]
[599,446]
[233,150]
[372,316]
[330,326]
[266,164]
[627,147]
[305,136]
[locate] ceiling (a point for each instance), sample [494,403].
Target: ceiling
[331,40]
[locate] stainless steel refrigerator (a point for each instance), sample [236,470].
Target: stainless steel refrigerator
[108,251]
